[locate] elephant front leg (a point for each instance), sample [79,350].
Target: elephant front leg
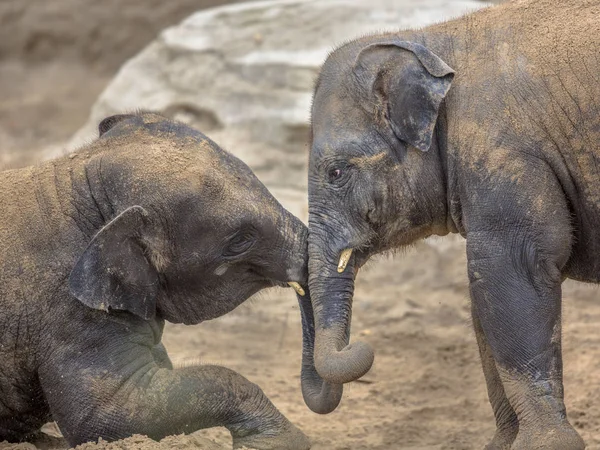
[89,401]
[516,294]
[507,424]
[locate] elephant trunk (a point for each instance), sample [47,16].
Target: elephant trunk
[321,397]
[332,293]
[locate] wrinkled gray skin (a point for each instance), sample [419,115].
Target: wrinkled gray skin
[151,222]
[487,126]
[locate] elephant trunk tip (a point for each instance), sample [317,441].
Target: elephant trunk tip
[344,366]
[322,399]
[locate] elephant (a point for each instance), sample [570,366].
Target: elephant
[487,125]
[151,222]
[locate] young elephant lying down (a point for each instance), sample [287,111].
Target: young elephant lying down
[151,222]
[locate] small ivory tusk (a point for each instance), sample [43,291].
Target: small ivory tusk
[344,258]
[297,288]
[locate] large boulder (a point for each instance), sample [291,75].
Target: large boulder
[244,74]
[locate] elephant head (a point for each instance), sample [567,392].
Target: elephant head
[375,179]
[189,233]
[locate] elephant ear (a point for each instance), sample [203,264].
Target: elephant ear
[408,94]
[113,271]
[109,122]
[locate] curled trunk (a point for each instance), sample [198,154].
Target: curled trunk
[320,396]
[332,292]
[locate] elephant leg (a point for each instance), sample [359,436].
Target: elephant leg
[507,424]
[164,402]
[119,390]
[516,291]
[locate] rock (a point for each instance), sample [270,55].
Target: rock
[244,75]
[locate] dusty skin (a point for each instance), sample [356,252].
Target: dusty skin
[58,364]
[426,390]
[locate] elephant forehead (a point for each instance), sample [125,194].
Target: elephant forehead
[333,108]
[369,160]
[337,121]
[345,142]
[242,192]
[187,167]
[335,127]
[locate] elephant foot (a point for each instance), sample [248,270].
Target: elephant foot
[289,437]
[561,437]
[503,439]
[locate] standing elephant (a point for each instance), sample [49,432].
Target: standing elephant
[151,222]
[488,126]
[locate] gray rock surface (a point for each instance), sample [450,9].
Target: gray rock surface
[243,74]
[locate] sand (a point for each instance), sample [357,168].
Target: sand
[426,389]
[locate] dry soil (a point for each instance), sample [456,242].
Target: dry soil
[426,389]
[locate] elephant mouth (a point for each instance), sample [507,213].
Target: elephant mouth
[266,281]
[295,285]
[360,258]
[371,242]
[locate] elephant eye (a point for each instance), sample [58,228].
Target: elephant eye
[334,174]
[240,243]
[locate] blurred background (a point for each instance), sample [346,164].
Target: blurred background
[242,72]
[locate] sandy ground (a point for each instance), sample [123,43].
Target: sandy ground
[426,389]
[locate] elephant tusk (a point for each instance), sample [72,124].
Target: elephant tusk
[344,258]
[297,288]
